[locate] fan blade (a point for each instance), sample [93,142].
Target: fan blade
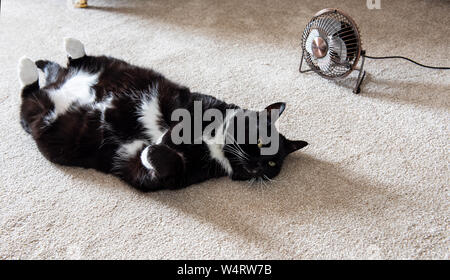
[330,25]
[308,45]
[325,63]
[337,49]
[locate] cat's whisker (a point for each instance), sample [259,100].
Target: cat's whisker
[269,179]
[250,182]
[241,150]
[264,182]
[236,144]
[233,147]
[235,152]
[237,155]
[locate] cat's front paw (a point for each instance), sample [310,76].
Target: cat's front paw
[163,160]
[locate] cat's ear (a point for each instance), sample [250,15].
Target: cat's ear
[275,108]
[292,146]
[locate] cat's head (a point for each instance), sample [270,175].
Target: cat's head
[257,149]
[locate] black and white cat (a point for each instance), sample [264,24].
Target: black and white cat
[103,113]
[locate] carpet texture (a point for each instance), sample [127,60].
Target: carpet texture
[373,183]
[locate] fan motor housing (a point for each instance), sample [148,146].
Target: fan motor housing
[319,47]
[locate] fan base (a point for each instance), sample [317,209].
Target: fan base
[361,75]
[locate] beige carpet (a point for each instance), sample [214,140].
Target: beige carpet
[374,182]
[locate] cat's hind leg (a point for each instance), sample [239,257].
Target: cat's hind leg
[74,48]
[28,73]
[150,168]
[29,80]
[78,59]
[35,104]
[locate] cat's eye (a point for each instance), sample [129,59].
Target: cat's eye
[260,144]
[272,163]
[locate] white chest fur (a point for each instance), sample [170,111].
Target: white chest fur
[77,89]
[150,115]
[217,143]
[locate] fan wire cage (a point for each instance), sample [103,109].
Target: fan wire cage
[331,46]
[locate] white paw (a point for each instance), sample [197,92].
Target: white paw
[74,48]
[28,72]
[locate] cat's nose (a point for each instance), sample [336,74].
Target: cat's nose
[253,171]
[256,171]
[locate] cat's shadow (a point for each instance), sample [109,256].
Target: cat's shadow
[308,191]
[308,188]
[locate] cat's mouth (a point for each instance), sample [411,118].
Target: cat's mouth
[254,172]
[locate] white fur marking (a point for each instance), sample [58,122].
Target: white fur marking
[74,48]
[159,140]
[150,115]
[49,118]
[130,149]
[76,89]
[216,144]
[105,104]
[216,152]
[144,159]
[28,72]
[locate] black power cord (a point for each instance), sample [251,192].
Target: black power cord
[408,59]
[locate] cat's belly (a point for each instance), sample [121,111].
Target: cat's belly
[77,90]
[120,113]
